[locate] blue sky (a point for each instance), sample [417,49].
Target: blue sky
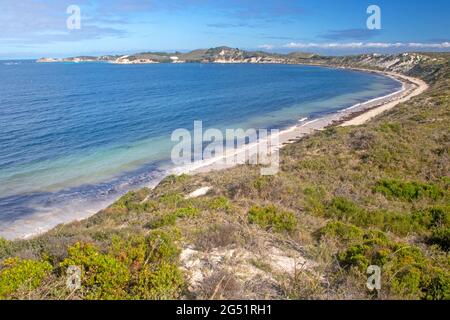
[33,28]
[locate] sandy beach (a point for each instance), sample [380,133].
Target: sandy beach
[352,116]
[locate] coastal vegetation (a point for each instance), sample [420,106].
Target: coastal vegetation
[345,198]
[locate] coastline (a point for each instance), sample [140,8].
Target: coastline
[357,114]
[354,115]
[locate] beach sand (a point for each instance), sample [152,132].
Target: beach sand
[353,116]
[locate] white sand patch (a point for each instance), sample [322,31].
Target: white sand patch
[198,193]
[288,262]
[199,265]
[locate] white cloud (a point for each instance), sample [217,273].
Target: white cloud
[266,46]
[359,45]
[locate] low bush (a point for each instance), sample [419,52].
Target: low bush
[187,212]
[419,222]
[18,274]
[163,282]
[133,201]
[171,199]
[346,233]
[441,237]
[162,220]
[103,276]
[154,273]
[406,271]
[270,218]
[219,203]
[162,246]
[408,191]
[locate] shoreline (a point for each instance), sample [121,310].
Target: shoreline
[357,114]
[354,115]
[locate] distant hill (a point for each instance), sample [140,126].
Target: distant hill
[417,63]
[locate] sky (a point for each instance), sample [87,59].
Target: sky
[38,28]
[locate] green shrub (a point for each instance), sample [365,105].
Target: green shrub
[344,232]
[3,247]
[132,251]
[151,261]
[355,256]
[220,203]
[162,246]
[163,282]
[171,199]
[408,191]
[169,219]
[18,274]
[406,270]
[389,127]
[162,220]
[345,210]
[270,218]
[187,212]
[441,237]
[314,204]
[262,182]
[103,276]
[440,216]
[439,287]
[133,201]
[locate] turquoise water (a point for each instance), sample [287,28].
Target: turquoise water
[75,136]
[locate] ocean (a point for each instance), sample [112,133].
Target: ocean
[74,137]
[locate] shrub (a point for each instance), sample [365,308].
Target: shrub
[408,191]
[171,199]
[262,182]
[188,212]
[154,275]
[103,276]
[133,201]
[17,274]
[162,220]
[345,210]
[164,282]
[439,287]
[270,218]
[169,219]
[3,246]
[162,246]
[407,272]
[440,216]
[344,232]
[314,203]
[441,237]
[220,203]
[132,252]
